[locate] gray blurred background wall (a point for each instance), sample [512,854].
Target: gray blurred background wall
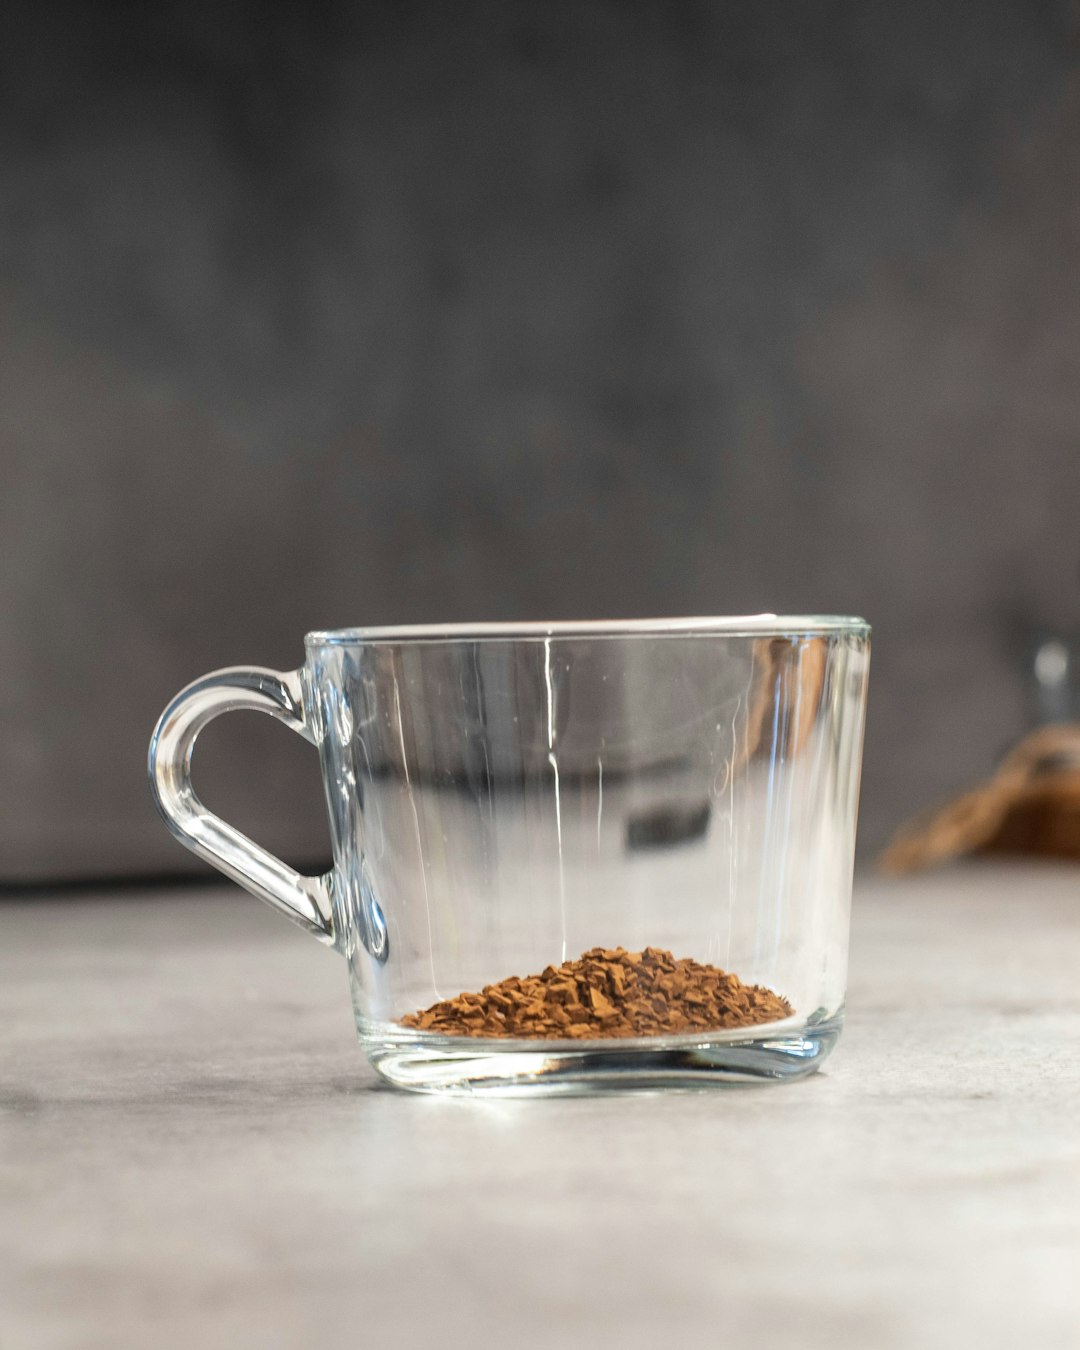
[355,313]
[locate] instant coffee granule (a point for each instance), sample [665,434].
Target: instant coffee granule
[607,993]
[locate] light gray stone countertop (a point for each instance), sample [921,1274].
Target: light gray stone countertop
[193,1152]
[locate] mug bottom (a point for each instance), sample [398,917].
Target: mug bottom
[467,1066]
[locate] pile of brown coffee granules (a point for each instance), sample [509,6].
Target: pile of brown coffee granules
[607,993]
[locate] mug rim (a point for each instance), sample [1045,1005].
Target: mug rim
[743,625]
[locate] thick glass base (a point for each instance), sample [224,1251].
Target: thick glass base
[777,1052]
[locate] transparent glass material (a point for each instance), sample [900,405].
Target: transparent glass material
[506,797]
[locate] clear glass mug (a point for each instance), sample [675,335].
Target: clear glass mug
[504,797]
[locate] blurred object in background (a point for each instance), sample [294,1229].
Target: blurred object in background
[1056,677]
[1032,803]
[368,312]
[1031,806]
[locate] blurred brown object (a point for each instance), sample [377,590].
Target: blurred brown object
[1030,806]
[799,665]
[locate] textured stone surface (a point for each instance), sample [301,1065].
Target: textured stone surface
[194,1153]
[387,312]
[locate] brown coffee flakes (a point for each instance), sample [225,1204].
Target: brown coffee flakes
[607,994]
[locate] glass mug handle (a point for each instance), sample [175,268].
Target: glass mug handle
[306,900]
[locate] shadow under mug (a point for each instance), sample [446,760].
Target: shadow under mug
[503,797]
